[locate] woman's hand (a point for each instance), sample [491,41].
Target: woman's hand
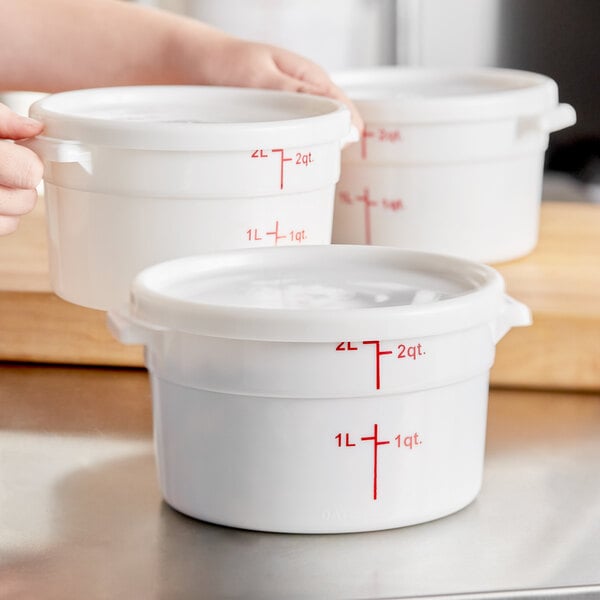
[241,63]
[20,169]
[123,43]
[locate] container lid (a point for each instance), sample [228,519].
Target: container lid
[191,117]
[423,95]
[317,294]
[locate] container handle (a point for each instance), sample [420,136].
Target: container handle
[513,314]
[127,329]
[351,137]
[562,116]
[59,151]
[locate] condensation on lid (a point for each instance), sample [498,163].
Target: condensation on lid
[316,293]
[310,289]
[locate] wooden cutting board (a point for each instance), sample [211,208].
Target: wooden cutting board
[559,281]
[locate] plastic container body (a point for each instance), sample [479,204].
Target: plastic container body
[319,418]
[129,183]
[450,162]
[320,465]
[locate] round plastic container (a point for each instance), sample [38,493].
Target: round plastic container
[138,175]
[319,389]
[450,161]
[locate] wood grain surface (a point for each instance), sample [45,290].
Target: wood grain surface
[559,281]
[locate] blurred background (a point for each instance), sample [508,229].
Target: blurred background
[558,38]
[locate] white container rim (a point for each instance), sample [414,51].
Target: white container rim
[433,95]
[317,294]
[188,118]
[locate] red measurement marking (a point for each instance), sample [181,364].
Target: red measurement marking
[348,443]
[276,233]
[378,354]
[304,159]
[380,135]
[345,346]
[393,205]
[259,154]
[363,142]
[413,352]
[376,443]
[345,197]
[282,162]
[253,235]
[369,204]
[388,135]
[297,236]
[409,442]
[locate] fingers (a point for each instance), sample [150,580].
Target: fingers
[287,83]
[16,127]
[14,203]
[337,94]
[8,224]
[252,64]
[311,79]
[300,68]
[20,169]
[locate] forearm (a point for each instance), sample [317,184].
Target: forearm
[53,45]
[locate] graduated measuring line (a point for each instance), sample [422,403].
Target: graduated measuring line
[366,200]
[363,142]
[283,160]
[376,444]
[378,353]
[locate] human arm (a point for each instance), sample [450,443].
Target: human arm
[54,45]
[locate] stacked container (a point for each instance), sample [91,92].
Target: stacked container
[138,175]
[449,162]
[305,387]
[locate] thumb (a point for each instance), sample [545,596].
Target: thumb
[16,127]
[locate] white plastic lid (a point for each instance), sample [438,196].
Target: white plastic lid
[191,118]
[423,95]
[317,294]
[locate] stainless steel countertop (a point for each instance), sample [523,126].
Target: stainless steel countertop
[81,515]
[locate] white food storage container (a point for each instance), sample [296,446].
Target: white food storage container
[451,161]
[138,175]
[319,389]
